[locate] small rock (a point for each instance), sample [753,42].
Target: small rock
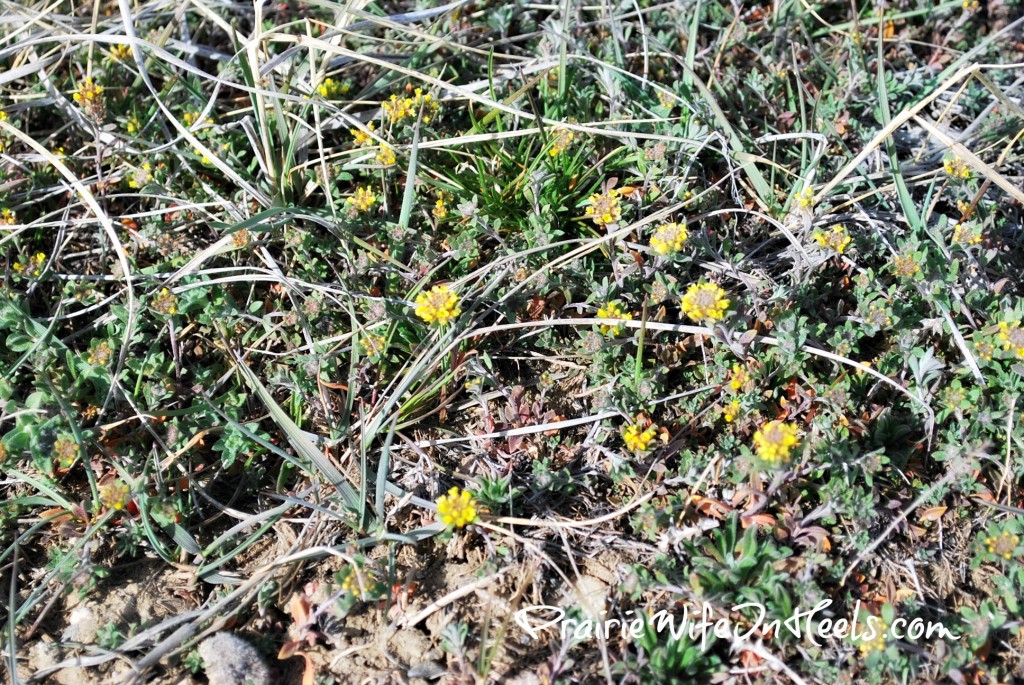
[83,625]
[230,660]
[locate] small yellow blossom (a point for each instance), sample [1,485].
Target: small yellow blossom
[90,96]
[101,354]
[984,350]
[65,451]
[637,439]
[397,108]
[120,53]
[705,302]
[878,316]
[905,266]
[115,495]
[374,345]
[8,217]
[560,140]
[385,156]
[140,177]
[203,157]
[731,411]
[361,137]
[362,200]
[835,239]
[805,198]
[440,210]
[3,115]
[457,508]
[355,580]
[971,5]
[439,306]
[1012,336]
[612,310]
[132,125]
[330,89]
[1003,545]
[192,117]
[739,378]
[775,441]
[605,208]
[956,167]
[966,234]
[876,643]
[33,266]
[166,302]
[669,238]
[666,99]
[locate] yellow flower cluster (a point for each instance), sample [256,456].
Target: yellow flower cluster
[361,201]
[440,210]
[374,345]
[560,140]
[775,441]
[353,583]
[875,644]
[605,208]
[141,176]
[115,495]
[120,53]
[7,217]
[65,451]
[966,234]
[738,378]
[956,168]
[90,96]
[101,354]
[398,108]
[166,302]
[330,89]
[805,198]
[836,239]
[361,137]
[1012,336]
[705,302]
[669,238]
[612,310]
[192,117]
[457,508]
[1003,545]
[905,266]
[439,306]
[32,267]
[636,438]
[731,411]
[385,156]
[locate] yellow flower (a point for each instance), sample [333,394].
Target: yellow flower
[330,89]
[397,108]
[666,99]
[133,125]
[3,115]
[956,167]
[669,238]
[374,345]
[971,5]
[90,96]
[612,310]
[560,140]
[166,302]
[115,495]
[875,644]
[637,439]
[361,137]
[738,378]
[984,350]
[1012,336]
[192,117]
[385,156]
[120,53]
[775,441]
[355,580]
[65,450]
[730,411]
[33,266]
[805,198]
[101,354]
[439,306]
[905,266]
[457,508]
[8,218]
[440,209]
[605,208]
[1003,545]
[362,200]
[705,302]
[966,234]
[835,239]
[141,176]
